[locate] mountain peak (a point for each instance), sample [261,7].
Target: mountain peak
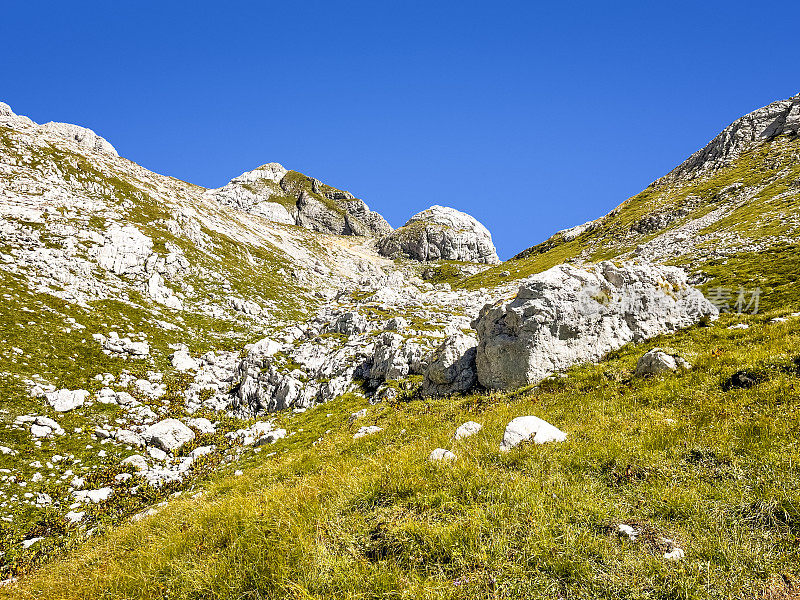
[761,125]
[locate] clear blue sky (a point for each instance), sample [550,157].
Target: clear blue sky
[531,116]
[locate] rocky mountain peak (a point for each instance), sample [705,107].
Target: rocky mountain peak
[762,125]
[440,232]
[83,136]
[289,197]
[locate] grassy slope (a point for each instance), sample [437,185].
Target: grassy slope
[373,518]
[772,168]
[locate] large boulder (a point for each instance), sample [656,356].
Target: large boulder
[530,428]
[657,361]
[441,233]
[452,367]
[568,315]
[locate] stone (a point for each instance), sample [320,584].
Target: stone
[656,361]
[451,368]
[65,400]
[137,461]
[202,425]
[566,315]
[350,323]
[124,250]
[169,434]
[182,361]
[366,430]
[523,429]
[93,496]
[467,429]
[675,554]
[125,436]
[440,454]
[441,233]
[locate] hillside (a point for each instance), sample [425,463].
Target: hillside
[233,393]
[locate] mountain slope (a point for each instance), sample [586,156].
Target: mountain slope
[737,197]
[227,317]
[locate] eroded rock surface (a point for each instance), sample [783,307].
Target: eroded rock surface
[568,315]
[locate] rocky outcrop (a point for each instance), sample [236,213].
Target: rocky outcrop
[441,233]
[568,315]
[283,196]
[452,367]
[84,137]
[779,118]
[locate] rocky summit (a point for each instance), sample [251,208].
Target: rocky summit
[441,233]
[366,408]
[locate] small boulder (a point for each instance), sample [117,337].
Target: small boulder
[656,361]
[366,430]
[182,361]
[440,454]
[169,434]
[532,428]
[65,400]
[467,429]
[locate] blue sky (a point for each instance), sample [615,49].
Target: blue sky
[531,116]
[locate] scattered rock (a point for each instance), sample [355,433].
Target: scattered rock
[366,430]
[65,400]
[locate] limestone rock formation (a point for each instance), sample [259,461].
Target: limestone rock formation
[86,138]
[441,233]
[568,315]
[452,367]
[277,194]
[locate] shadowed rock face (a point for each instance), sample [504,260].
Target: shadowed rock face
[567,315]
[284,196]
[441,233]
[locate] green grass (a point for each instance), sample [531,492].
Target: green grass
[714,470]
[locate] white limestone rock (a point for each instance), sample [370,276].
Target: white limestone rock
[440,454]
[467,429]
[124,250]
[169,434]
[568,315]
[366,430]
[65,400]
[182,361]
[441,233]
[529,428]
